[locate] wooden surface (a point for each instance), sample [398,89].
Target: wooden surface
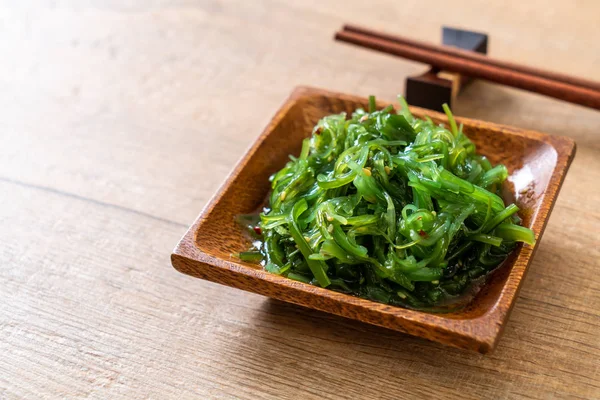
[118,122]
[537,164]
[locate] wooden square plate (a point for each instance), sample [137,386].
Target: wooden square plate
[537,164]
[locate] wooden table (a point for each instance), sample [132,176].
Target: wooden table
[120,119]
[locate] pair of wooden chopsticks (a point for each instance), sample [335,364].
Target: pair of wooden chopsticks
[560,86]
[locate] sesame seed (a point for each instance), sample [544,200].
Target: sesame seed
[364,118]
[282,196]
[367,171]
[329,218]
[435,282]
[387,169]
[330,228]
[401,295]
[307,238]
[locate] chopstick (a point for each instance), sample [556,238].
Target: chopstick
[560,86]
[476,57]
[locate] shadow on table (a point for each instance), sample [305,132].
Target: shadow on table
[298,344]
[293,344]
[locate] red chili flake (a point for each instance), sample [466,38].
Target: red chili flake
[257,230]
[319,130]
[423,233]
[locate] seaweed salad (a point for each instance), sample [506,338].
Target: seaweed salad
[388,207]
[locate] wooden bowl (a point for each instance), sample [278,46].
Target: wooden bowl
[537,164]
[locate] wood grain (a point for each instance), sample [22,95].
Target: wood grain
[537,165]
[116,129]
